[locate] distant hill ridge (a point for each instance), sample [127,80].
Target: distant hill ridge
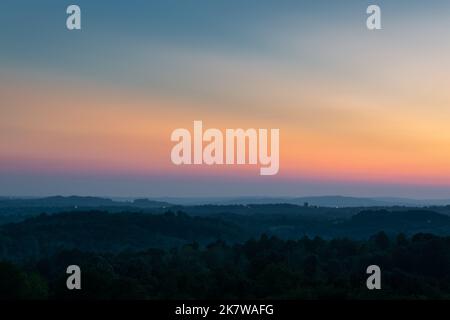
[79,201]
[322,201]
[155,202]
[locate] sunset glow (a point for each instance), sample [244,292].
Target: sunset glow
[352,107]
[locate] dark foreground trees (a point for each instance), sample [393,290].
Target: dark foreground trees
[416,267]
[19,284]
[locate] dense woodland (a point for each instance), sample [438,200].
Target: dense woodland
[232,252]
[413,268]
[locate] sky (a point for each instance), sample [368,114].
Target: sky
[90,112]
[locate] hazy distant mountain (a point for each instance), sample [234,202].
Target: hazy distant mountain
[322,201]
[341,201]
[146,203]
[57,201]
[415,202]
[77,201]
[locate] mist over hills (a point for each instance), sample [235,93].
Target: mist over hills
[325,201]
[153,202]
[322,201]
[53,204]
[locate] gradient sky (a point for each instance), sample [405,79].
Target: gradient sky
[90,112]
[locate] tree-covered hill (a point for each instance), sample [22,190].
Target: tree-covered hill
[98,231]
